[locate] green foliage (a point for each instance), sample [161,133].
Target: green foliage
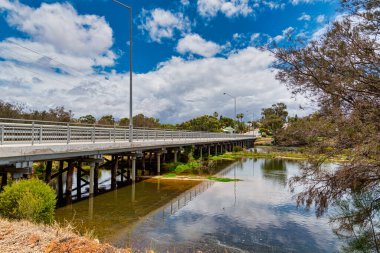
[273,118]
[203,123]
[106,120]
[172,166]
[88,119]
[305,131]
[18,111]
[169,175]
[238,149]
[28,199]
[188,166]
[227,122]
[223,179]
[140,120]
[240,116]
[124,122]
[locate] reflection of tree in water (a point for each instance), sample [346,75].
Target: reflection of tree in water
[209,167]
[274,169]
[357,221]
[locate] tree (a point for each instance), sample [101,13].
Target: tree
[106,120]
[273,118]
[140,120]
[240,116]
[124,122]
[88,119]
[226,122]
[8,110]
[202,123]
[341,72]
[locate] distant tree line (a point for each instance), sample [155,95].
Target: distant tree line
[207,123]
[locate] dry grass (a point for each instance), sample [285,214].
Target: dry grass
[27,237]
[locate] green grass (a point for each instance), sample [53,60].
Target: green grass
[188,166]
[223,179]
[170,175]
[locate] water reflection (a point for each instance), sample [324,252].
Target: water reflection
[275,169]
[257,214]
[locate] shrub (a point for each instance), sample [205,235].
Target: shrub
[184,167]
[238,149]
[28,199]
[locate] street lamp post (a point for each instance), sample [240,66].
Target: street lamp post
[130,70]
[225,93]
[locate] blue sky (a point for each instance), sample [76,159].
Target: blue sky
[186,54]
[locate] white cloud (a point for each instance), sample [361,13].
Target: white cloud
[230,8]
[273,5]
[185,2]
[162,24]
[304,17]
[195,44]
[166,92]
[178,89]
[320,18]
[60,32]
[285,33]
[296,2]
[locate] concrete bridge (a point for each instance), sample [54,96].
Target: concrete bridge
[65,147]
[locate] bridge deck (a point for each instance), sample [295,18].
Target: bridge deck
[32,140]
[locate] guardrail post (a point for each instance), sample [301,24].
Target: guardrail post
[93,134]
[68,133]
[33,133]
[1,135]
[40,134]
[114,133]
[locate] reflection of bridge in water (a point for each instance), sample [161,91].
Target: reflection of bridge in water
[163,211]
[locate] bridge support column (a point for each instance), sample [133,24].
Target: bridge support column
[60,183]
[209,150]
[79,177]
[158,163]
[69,182]
[143,164]
[133,168]
[114,172]
[175,156]
[201,152]
[92,179]
[49,166]
[216,149]
[96,183]
[122,170]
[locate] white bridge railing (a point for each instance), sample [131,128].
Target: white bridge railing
[14,131]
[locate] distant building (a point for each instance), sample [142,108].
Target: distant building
[229,130]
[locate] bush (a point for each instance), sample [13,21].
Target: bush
[28,199]
[238,149]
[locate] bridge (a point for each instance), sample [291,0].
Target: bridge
[63,147]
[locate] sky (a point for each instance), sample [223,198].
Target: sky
[186,54]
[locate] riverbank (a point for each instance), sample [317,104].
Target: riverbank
[27,237]
[185,171]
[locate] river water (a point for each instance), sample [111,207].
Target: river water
[257,214]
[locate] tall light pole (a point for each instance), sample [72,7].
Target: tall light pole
[225,93]
[130,70]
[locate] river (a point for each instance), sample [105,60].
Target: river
[257,214]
